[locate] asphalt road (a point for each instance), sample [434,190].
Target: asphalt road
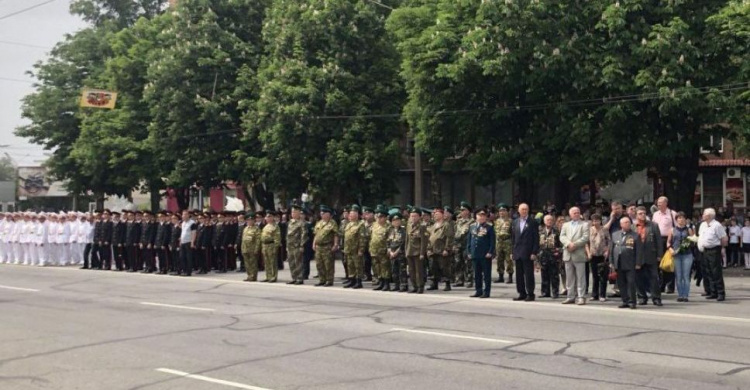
[64,328]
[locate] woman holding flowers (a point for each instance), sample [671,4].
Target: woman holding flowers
[680,244]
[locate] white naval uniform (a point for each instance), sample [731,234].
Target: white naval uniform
[75,256]
[7,244]
[3,243]
[83,233]
[52,253]
[27,237]
[42,244]
[63,242]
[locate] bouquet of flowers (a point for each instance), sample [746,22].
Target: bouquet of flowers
[685,245]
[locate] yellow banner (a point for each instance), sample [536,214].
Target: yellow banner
[97,98]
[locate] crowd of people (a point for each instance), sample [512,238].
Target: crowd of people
[405,249]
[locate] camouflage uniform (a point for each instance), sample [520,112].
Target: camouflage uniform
[354,247]
[440,240]
[503,247]
[270,239]
[549,257]
[296,236]
[339,255]
[463,269]
[397,247]
[416,250]
[325,234]
[251,250]
[375,270]
[379,250]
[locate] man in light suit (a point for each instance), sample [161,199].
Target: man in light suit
[525,239]
[574,236]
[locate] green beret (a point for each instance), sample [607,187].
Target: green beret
[465,205]
[395,216]
[250,215]
[355,208]
[502,206]
[366,209]
[325,209]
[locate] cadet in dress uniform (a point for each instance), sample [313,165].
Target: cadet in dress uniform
[173,252]
[503,244]
[622,257]
[104,242]
[379,248]
[74,257]
[296,236]
[218,242]
[132,239]
[440,240]
[202,244]
[463,268]
[119,227]
[416,250]
[251,247]
[325,244]
[354,239]
[397,252]
[230,237]
[148,238]
[550,250]
[270,239]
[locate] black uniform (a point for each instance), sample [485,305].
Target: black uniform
[218,242]
[238,245]
[201,249]
[550,250]
[132,239]
[623,258]
[118,243]
[148,238]
[105,244]
[174,248]
[230,234]
[95,259]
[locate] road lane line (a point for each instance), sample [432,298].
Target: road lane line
[455,336]
[176,306]
[19,288]
[210,380]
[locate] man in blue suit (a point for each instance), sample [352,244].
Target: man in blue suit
[480,245]
[525,239]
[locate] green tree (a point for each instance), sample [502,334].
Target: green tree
[329,67]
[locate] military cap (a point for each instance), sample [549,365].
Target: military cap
[271,212]
[296,206]
[481,212]
[502,206]
[395,216]
[115,213]
[355,208]
[425,210]
[437,209]
[380,209]
[325,209]
[250,215]
[416,210]
[366,209]
[465,205]
[448,209]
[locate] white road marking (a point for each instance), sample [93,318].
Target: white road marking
[19,288]
[455,336]
[210,380]
[176,306]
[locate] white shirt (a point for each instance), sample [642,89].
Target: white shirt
[89,233]
[710,235]
[734,234]
[41,234]
[74,226]
[186,235]
[746,235]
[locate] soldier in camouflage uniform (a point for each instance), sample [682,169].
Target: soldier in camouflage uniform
[550,250]
[379,249]
[270,239]
[439,243]
[354,248]
[397,252]
[296,236]
[427,221]
[503,244]
[416,250]
[369,218]
[325,243]
[251,247]
[463,269]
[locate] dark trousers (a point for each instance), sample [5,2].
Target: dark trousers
[701,271]
[118,256]
[525,283]
[186,259]
[147,254]
[87,254]
[733,254]
[105,256]
[647,279]
[307,257]
[219,256]
[231,258]
[626,284]
[161,253]
[241,259]
[550,275]
[666,278]
[715,274]
[368,265]
[133,258]
[600,273]
[204,259]
[95,259]
[482,275]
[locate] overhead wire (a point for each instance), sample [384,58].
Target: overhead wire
[6,16]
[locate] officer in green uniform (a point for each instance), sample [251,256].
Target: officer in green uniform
[416,250]
[354,248]
[397,251]
[270,239]
[463,269]
[251,247]
[368,218]
[325,243]
[296,236]
[379,248]
[440,241]
[339,255]
[503,246]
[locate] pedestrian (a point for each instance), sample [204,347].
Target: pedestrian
[649,249]
[325,244]
[480,248]
[503,244]
[296,237]
[416,250]
[597,250]
[355,238]
[624,259]
[270,239]
[251,246]
[574,237]
[550,250]
[119,227]
[733,249]
[681,249]
[379,248]
[369,219]
[462,268]
[174,244]
[745,240]
[525,239]
[439,242]
[711,238]
[188,238]
[397,252]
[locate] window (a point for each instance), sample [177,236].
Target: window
[716,144]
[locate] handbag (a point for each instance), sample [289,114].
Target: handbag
[613,276]
[667,262]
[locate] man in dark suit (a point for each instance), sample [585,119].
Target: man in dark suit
[480,245]
[623,258]
[649,249]
[525,239]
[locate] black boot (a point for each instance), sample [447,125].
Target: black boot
[357,285]
[421,290]
[447,286]
[381,285]
[349,283]
[387,285]
[500,280]
[510,279]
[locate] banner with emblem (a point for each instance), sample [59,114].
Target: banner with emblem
[97,98]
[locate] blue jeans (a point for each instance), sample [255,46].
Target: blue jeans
[683,263]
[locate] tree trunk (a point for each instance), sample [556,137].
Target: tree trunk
[436,193]
[155,196]
[679,177]
[249,199]
[264,197]
[562,193]
[99,200]
[183,198]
